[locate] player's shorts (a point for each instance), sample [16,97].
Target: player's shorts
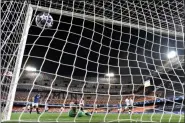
[35,104]
[130,107]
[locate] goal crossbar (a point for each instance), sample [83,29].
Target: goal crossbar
[108,21]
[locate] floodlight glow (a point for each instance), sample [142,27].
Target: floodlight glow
[171,54]
[29,68]
[110,74]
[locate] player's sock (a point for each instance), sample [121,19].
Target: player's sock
[129,112]
[37,109]
[30,110]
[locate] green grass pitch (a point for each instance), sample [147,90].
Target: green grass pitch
[51,117]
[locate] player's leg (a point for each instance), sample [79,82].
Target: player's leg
[28,108]
[83,113]
[123,110]
[95,109]
[129,110]
[108,109]
[37,108]
[46,108]
[119,110]
[87,113]
[131,107]
[126,108]
[81,108]
[31,107]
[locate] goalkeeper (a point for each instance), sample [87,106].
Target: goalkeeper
[73,111]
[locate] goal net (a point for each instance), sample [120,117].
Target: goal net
[114,60]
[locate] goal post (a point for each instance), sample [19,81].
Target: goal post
[16,70]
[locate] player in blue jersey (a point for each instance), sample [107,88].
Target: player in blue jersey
[35,103]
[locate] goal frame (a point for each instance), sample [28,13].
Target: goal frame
[6,115]
[11,95]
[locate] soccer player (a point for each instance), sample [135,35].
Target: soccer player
[127,102]
[81,104]
[73,111]
[35,103]
[131,105]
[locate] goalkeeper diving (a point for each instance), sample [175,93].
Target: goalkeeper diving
[76,110]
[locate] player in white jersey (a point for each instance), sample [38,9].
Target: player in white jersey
[127,102]
[131,102]
[81,104]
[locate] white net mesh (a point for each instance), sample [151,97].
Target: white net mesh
[99,51]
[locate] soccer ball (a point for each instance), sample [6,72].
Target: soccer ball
[44,20]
